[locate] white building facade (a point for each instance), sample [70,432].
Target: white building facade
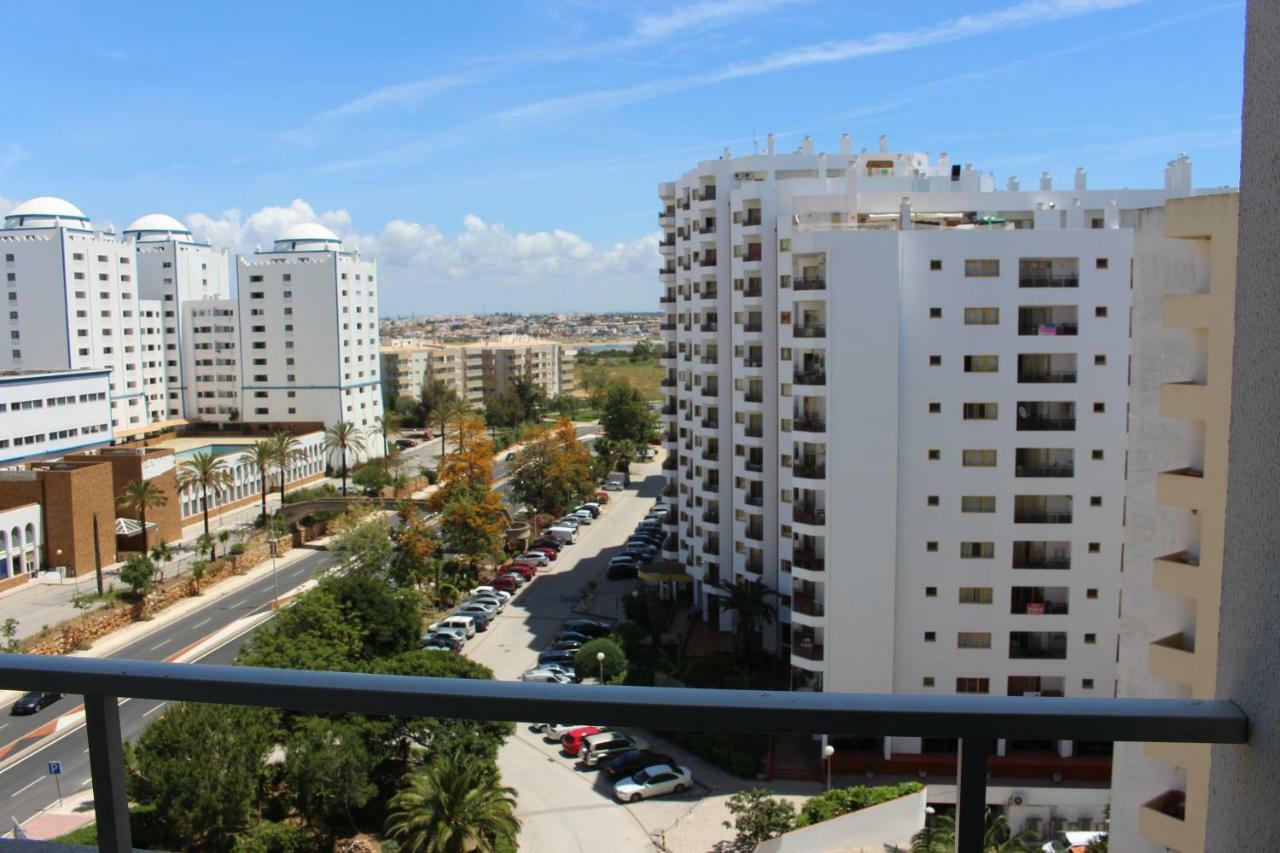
[897,397]
[309,340]
[45,413]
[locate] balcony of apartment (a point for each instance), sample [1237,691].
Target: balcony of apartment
[807,601]
[711,545]
[668,410]
[710,423]
[810,371]
[754,461]
[667,269]
[1163,819]
[667,327]
[1041,555]
[753,289]
[669,354]
[809,420]
[754,428]
[754,393]
[671,489]
[1183,488]
[754,564]
[810,466]
[1049,272]
[1044,462]
[1039,600]
[808,510]
[707,258]
[711,485]
[711,515]
[1177,574]
[671,545]
[975,720]
[1046,367]
[754,495]
[755,529]
[669,298]
[752,252]
[1185,400]
[711,325]
[670,463]
[754,358]
[1037,645]
[668,381]
[1048,320]
[1036,685]
[1046,416]
[710,292]
[808,282]
[806,557]
[751,217]
[707,193]
[711,389]
[710,357]
[711,453]
[1173,657]
[668,244]
[1042,509]
[667,215]
[810,329]
[671,519]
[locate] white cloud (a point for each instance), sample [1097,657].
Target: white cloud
[483,268]
[696,15]
[397,95]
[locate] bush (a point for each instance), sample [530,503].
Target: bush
[759,817]
[268,837]
[139,574]
[739,754]
[614,664]
[236,550]
[840,801]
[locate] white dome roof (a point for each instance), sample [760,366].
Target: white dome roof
[308,232]
[156,226]
[46,207]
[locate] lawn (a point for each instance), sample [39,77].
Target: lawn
[644,373]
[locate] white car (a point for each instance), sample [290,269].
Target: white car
[538,558]
[654,782]
[584,515]
[558,668]
[456,633]
[484,607]
[546,676]
[486,599]
[488,590]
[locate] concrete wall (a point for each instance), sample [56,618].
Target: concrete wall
[1245,780]
[870,829]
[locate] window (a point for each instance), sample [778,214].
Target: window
[1096,455]
[935,313]
[981,411]
[978,458]
[935,408]
[935,455]
[931,546]
[930,592]
[983,268]
[1095,500]
[1095,547]
[931,500]
[1090,639]
[973,685]
[975,595]
[978,503]
[927,681]
[1102,263]
[1099,408]
[977,550]
[1100,311]
[973,640]
[935,361]
[255,278]
[1086,683]
[1091,592]
[256,294]
[930,636]
[981,363]
[935,265]
[1099,360]
[981,316]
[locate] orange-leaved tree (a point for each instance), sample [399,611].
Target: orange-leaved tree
[417,543]
[553,470]
[470,463]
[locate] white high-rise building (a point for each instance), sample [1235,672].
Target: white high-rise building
[896,395]
[174,269]
[309,340]
[72,302]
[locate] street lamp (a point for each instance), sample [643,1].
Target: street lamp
[275,589]
[929,812]
[827,752]
[600,660]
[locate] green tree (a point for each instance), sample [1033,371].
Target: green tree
[387,423]
[139,496]
[585,662]
[139,574]
[565,405]
[363,540]
[502,411]
[473,523]
[198,569]
[199,767]
[202,472]
[329,769]
[440,404]
[454,804]
[552,470]
[206,543]
[940,836]
[372,479]
[343,438]
[261,455]
[626,414]
[287,452]
[758,816]
[530,398]
[10,631]
[313,634]
[752,610]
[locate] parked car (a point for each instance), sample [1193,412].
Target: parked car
[622,571]
[569,521]
[466,623]
[590,627]
[601,496]
[573,635]
[34,702]
[480,617]
[437,646]
[453,632]
[654,782]
[552,732]
[565,646]
[596,748]
[545,676]
[489,590]
[594,509]
[563,669]
[525,570]
[537,558]
[487,609]
[486,598]
[571,742]
[565,533]
[584,516]
[505,583]
[560,656]
[624,765]
[613,486]
[650,453]
[547,542]
[549,553]
[446,636]
[514,578]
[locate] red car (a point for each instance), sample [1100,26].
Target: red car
[571,743]
[525,569]
[504,584]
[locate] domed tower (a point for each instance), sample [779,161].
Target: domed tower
[308,313]
[46,211]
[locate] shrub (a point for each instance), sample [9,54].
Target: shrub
[759,817]
[840,801]
[615,662]
[139,573]
[739,754]
[236,550]
[268,837]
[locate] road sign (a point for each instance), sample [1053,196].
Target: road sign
[55,768]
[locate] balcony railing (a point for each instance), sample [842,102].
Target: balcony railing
[1053,329]
[711,516]
[809,284]
[755,532]
[753,327]
[710,423]
[1046,649]
[1039,608]
[1046,376]
[752,217]
[668,410]
[806,514]
[810,376]
[1065,469]
[810,469]
[711,455]
[1034,423]
[810,330]
[753,397]
[708,260]
[754,499]
[710,391]
[753,252]
[671,270]
[670,490]
[808,560]
[755,567]
[710,485]
[709,327]
[1034,280]
[756,465]
[977,720]
[809,423]
[667,327]
[666,300]
[807,605]
[753,291]
[754,431]
[1041,517]
[709,359]
[1042,563]
[708,193]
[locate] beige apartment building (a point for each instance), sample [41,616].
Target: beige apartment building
[1180,403]
[477,372]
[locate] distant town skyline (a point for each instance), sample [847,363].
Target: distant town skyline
[508,161]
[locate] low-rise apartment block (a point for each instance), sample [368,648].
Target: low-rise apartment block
[477,372]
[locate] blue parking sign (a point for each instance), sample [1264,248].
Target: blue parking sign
[55,768]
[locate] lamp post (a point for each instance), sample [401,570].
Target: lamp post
[275,589]
[929,812]
[827,752]
[600,660]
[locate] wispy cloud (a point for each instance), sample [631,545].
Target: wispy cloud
[11,155]
[651,26]
[398,95]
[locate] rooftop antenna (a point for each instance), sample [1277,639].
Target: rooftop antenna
[755,144]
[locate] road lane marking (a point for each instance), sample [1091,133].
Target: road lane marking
[149,713]
[162,643]
[205,621]
[25,787]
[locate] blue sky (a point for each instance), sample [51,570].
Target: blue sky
[504,156]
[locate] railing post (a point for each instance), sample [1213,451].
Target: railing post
[106,766]
[971,794]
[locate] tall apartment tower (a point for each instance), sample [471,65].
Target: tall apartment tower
[309,340]
[72,303]
[896,395]
[1184,273]
[173,269]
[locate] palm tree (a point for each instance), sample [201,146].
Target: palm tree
[453,805]
[262,456]
[387,422]
[749,601]
[286,451]
[940,836]
[139,496]
[204,471]
[343,438]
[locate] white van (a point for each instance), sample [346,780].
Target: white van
[563,533]
[465,623]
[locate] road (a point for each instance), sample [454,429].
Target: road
[26,782]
